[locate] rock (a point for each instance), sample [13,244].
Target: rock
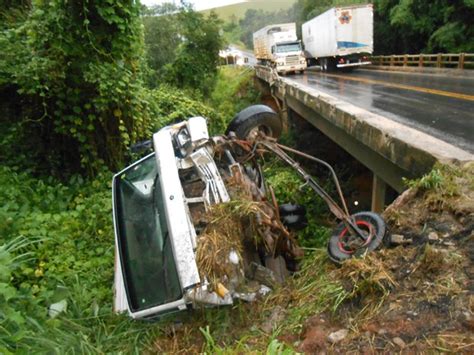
[381,331]
[338,336]
[399,342]
[399,239]
[433,237]
[277,316]
[56,308]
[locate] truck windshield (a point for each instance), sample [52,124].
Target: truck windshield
[288,47]
[148,265]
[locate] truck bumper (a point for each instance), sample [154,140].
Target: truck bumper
[352,64]
[288,68]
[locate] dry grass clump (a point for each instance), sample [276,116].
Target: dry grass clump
[366,276]
[222,235]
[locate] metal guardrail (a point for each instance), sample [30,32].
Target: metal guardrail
[440,60]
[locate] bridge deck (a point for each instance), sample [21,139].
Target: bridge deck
[437,105]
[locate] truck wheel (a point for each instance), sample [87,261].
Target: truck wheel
[324,64]
[331,64]
[343,246]
[252,119]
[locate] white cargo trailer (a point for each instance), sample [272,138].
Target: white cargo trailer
[278,46]
[340,37]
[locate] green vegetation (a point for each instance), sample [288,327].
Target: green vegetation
[76,70]
[441,179]
[56,246]
[416,26]
[183,47]
[81,82]
[233,92]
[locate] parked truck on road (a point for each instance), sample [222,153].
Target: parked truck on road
[341,37]
[278,46]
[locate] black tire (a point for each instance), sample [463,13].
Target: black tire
[293,216]
[331,65]
[369,222]
[253,118]
[323,62]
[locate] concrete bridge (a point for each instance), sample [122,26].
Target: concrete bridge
[396,124]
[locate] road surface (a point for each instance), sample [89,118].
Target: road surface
[438,105]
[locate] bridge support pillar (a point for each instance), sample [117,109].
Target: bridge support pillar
[378,194]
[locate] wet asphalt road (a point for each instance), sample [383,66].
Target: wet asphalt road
[438,105]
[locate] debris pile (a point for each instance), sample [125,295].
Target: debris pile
[239,236]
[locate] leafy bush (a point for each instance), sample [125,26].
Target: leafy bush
[77,69]
[287,186]
[56,241]
[173,105]
[234,91]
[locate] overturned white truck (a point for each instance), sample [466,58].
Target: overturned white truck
[196,224]
[278,46]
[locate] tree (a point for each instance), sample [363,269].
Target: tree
[197,56]
[77,68]
[162,38]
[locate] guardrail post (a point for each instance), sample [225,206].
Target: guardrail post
[405,60]
[461,61]
[420,60]
[438,61]
[392,60]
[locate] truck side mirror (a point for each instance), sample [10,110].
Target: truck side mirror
[273,49]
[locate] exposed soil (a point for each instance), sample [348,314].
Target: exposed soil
[414,297]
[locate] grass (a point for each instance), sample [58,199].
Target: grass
[234,91]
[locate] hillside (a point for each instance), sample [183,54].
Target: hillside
[238,10]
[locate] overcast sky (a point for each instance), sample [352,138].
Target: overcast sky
[198,4]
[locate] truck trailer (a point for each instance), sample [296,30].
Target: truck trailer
[278,46]
[341,37]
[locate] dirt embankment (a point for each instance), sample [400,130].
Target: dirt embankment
[417,294]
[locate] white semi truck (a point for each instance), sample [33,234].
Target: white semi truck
[341,37]
[278,46]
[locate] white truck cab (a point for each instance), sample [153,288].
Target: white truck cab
[279,47]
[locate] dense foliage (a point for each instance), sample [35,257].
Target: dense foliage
[76,69]
[420,26]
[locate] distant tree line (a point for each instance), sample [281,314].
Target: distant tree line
[400,26]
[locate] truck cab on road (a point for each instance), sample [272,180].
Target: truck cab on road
[278,46]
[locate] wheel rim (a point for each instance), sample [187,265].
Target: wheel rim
[254,132]
[347,241]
